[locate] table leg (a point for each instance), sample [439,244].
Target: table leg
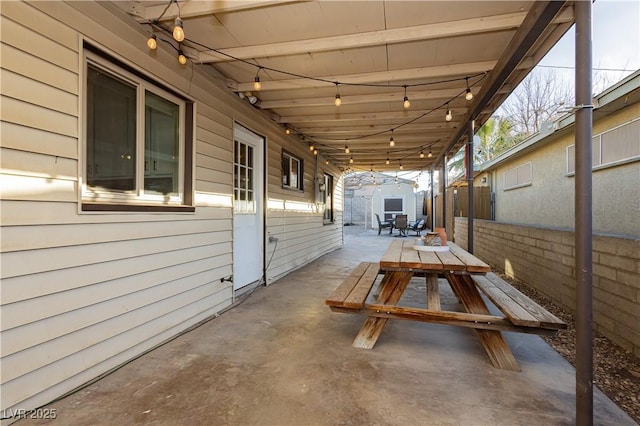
[492,341]
[391,288]
[433,292]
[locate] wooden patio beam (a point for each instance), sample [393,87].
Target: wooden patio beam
[372,38]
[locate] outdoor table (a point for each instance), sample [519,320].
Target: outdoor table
[401,262]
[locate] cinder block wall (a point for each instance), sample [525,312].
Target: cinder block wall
[544,259]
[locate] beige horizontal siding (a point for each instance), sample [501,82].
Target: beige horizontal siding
[15,238]
[93,358]
[32,91]
[23,37]
[26,287]
[15,136]
[50,259]
[30,115]
[22,213]
[85,292]
[24,163]
[122,314]
[37,69]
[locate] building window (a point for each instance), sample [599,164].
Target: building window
[611,148]
[292,172]
[327,196]
[518,177]
[137,140]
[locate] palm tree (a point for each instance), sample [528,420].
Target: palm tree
[493,138]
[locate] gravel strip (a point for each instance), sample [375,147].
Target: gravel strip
[616,371]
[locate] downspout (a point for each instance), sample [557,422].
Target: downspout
[583,216]
[470,188]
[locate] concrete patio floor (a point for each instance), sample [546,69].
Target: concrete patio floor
[283,358]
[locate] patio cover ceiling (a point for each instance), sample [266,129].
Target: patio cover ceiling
[372,50]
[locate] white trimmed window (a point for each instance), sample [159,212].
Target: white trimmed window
[137,141]
[518,177]
[615,146]
[292,172]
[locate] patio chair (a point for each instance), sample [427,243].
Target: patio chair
[401,223]
[384,224]
[418,227]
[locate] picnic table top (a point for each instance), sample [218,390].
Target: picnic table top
[402,256]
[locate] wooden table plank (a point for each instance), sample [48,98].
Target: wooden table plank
[473,263]
[391,258]
[409,257]
[450,262]
[356,298]
[430,261]
[512,310]
[546,318]
[342,291]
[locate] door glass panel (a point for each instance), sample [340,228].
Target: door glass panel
[244,179]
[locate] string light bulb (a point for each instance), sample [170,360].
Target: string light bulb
[178,30]
[392,142]
[468,96]
[181,58]
[448,116]
[256,81]
[311,147]
[406,104]
[421,154]
[152,42]
[351,160]
[401,167]
[326,162]
[338,101]
[315,152]
[429,154]
[287,131]
[346,149]
[387,162]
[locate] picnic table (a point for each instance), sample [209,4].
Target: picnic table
[467,276]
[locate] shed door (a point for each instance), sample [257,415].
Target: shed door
[248,226]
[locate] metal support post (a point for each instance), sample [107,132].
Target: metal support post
[469,167]
[583,216]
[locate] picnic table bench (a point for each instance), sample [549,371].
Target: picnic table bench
[467,276]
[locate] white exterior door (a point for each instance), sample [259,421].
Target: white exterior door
[248,226]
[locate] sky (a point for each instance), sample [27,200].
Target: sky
[616,46]
[616,42]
